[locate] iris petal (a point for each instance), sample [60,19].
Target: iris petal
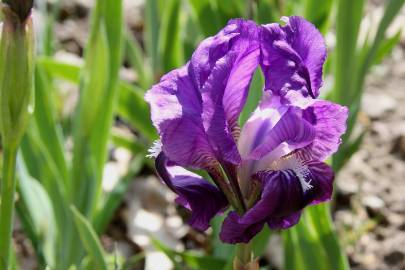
[291,129]
[329,121]
[195,193]
[176,112]
[195,108]
[292,59]
[286,222]
[224,86]
[292,184]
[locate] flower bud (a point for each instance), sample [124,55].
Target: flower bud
[21,8]
[16,71]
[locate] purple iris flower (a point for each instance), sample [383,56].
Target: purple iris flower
[271,168]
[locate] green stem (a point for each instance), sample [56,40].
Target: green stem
[244,253]
[8,184]
[244,258]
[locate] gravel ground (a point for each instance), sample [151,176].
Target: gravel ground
[371,188]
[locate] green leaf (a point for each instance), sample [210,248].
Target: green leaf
[41,165]
[318,12]
[220,249]
[69,72]
[49,131]
[347,151]
[133,108]
[85,176]
[171,51]
[266,12]
[151,33]
[206,16]
[313,242]
[292,258]
[197,261]
[255,94]
[229,9]
[192,260]
[260,242]
[37,215]
[392,8]
[386,47]
[113,198]
[89,239]
[132,144]
[101,131]
[131,104]
[138,61]
[348,20]
[322,221]
[132,261]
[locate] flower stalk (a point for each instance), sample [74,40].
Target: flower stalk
[16,105]
[244,258]
[7,204]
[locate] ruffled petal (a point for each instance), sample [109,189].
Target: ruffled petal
[329,121]
[203,199]
[195,108]
[291,129]
[223,68]
[290,185]
[292,58]
[176,109]
[273,130]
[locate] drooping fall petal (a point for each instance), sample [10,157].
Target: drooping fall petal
[202,198]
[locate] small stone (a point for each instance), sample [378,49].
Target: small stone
[395,257]
[402,227]
[373,205]
[376,105]
[398,147]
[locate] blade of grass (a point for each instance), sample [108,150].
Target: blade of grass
[133,108]
[138,61]
[36,206]
[348,20]
[112,200]
[131,104]
[386,47]
[151,34]
[170,43]
[318,12]
[89,239]
[190,259]
[255,94]
[48,130]
[206,16]
[322,221]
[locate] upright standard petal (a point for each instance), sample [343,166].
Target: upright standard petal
[289,185]
[274,130]
[222,68]
[292,59]
[203,199]
[176,109]
[196,108]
